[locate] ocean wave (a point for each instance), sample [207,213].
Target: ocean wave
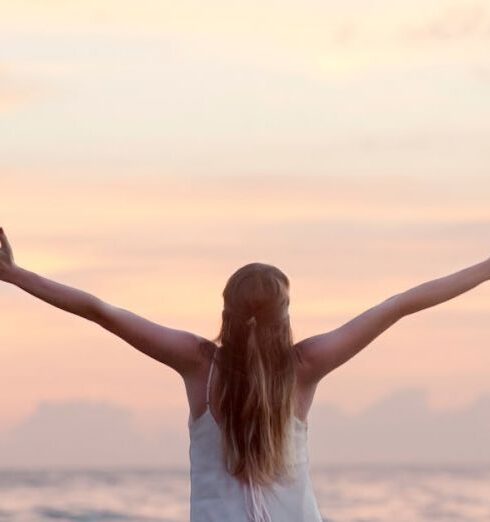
[90,515]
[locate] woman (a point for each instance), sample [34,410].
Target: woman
[250,389]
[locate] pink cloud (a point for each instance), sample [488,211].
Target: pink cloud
[456,23]
[14,93]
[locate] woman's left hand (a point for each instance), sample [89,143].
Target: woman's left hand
[6,256]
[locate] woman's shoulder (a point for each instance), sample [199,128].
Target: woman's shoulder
[207,349]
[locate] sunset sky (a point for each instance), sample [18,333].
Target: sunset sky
[149,149]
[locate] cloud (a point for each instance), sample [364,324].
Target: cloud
[455,23]
[12,97]
[400,428]
[16,91]
[84,433]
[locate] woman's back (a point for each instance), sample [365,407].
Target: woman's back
[217,495]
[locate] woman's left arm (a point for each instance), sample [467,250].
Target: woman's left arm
[62,296]
[176,348]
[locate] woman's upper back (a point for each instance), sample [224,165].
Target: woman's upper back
[196,386]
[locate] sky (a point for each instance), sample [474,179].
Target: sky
[149,150]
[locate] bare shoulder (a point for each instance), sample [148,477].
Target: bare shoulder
[179,349]
[303,362]
[305,386]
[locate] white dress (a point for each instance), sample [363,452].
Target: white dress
[218,496]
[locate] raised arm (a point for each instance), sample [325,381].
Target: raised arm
[444,288]
[324,352]
[176,348]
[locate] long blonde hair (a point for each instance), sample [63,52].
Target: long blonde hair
[257,379]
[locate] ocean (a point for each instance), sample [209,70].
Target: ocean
[363,493]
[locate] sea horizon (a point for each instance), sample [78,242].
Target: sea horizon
[362,492]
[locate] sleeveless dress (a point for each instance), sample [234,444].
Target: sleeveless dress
[218,496]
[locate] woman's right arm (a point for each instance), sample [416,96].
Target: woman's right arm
[444,288]
[325,352]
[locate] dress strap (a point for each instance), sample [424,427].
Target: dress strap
[209,377]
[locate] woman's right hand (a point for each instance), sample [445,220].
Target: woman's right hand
[488,268]
[7,263]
